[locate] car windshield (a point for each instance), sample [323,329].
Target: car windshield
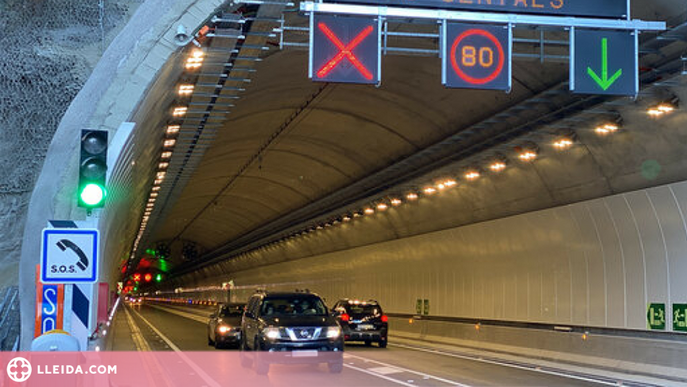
[232,311]
[354,309]
[293,305]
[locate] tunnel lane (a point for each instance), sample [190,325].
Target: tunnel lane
[178,328]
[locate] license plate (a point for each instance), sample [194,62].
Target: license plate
[366,327]
[304,353]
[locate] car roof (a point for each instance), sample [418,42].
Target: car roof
[290,294]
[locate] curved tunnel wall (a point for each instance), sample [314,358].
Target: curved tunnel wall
[594,263]
[127,69]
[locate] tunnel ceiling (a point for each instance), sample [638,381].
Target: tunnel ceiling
[289,142]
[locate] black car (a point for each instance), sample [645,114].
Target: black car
[362,321]
[291,327]
[224,327]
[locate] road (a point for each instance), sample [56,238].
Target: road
[162,327]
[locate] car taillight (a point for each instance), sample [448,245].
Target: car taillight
[385,318]
[345,317]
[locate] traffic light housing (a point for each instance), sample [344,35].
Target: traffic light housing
[92,169]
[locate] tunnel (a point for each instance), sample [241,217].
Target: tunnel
[533,236]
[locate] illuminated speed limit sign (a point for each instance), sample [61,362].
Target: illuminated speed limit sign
[476,56]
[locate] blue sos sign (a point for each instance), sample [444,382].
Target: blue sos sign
[477,56]
[49,308]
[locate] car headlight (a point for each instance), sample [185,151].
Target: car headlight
[333,332]
[271,333]
[223,329]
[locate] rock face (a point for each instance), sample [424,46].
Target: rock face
[49,49]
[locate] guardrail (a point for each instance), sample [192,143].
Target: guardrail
[583,330]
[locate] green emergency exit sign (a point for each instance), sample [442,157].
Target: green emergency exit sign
[656,317]
[680,317]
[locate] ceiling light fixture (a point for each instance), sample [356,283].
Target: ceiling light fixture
[527,155]
[497,166]
[472,175]
[661,109]
[563,143]
[195,60]
[185,89]
[606,129]
[173,129]
[179,111]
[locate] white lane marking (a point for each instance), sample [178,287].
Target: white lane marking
[385,370]
[136,335]
[194,366]
[363,370]
[151,363]
[190,316]
[428,376]
[504,364]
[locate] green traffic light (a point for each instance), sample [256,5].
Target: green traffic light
[158,277]
[92,194]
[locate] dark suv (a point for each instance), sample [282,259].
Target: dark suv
[362,321]
[291,328]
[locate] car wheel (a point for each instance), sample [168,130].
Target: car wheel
[382,344]
[368,343]
[335,368]
[218,345]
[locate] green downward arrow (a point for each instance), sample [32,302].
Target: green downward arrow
[604,82]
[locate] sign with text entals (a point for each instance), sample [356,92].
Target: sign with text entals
[345,49]
[477,56]
[616,9]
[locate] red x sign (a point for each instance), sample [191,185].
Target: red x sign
[356,60]
[345,51]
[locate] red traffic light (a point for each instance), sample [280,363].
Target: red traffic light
[148,277]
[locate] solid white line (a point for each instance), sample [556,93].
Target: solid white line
[363,370]
[199,371]
[503,364]
[424,375]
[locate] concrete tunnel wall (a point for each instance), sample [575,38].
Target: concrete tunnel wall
[126,71]
[596,263]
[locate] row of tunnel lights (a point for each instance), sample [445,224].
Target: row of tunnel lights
[526,155]
[193,62]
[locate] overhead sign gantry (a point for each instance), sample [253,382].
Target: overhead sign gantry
[617,9]
[476,40]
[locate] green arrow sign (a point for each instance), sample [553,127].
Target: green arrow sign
[604,62]
[604,82]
